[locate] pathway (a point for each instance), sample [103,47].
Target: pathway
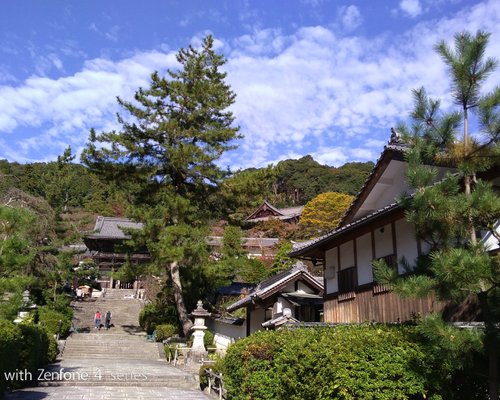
[115,364]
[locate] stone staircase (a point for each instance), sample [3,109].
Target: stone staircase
[119,357]
[110,346]
[116,364]
[124,307]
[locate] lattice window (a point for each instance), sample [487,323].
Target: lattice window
[348,279]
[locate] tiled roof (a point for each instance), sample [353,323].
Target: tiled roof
[282,213]
[280,321]
[268,286]
[394,146]
[235,289]
[246,241]
[300,247]
[112,228]
[292,211]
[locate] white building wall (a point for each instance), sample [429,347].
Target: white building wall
[406,243]
[347,255]
[280,305]
[383,241]
[257,318]
[365,257]
[489,240]
[331,268]
[305,288]
[227,332]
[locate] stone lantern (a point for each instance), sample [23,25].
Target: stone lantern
[26,306]
[198,350]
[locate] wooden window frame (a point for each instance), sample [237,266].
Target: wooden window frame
[347,279]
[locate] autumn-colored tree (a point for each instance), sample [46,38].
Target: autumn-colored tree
[323,213]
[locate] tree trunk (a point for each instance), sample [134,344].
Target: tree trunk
[467,177]
[179,299]
[490,347]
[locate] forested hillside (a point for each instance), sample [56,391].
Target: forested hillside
[77,195]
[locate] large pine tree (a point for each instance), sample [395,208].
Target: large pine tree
[166,153]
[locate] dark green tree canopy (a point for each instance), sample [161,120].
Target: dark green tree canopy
[176,130]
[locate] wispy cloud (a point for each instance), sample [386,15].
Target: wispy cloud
[111,33]
[411,8]
[350,18]
[65,109]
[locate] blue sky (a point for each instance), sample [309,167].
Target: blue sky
[319,77]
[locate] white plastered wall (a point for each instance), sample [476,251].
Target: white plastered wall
[229,331]
[406,242]
[347,255]
[383,241]
[305,288]
[257,318]
[331,268]
[364,255]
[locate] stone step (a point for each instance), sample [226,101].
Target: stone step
[104,335]
[116,373]
[80,356]
[181,382]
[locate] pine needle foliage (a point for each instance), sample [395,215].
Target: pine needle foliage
[165,157]
[452,213]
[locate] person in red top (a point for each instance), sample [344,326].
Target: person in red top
[97,320]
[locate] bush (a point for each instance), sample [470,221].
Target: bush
[165,331]
[34,348]
[10,347]
[344,362]
[216,368]
[49,319]
[208,339]
[153,315]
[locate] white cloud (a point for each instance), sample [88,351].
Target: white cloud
[324,87]
[70,106]
[412,8]
[350,18]
[313,91]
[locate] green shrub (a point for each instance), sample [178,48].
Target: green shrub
[345,362]
[53,350]
[169,350]
[24,347]
[10,347]
[153,315]
[249,369]
[217,368]
[165,331]
[34,348]
[208,339]
[49,319]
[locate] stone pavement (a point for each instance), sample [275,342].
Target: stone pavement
[108,365]
[111,379]
[105,393]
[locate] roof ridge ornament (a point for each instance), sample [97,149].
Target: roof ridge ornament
[395,137]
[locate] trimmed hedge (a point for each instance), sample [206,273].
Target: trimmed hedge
[24,347]
[165,331]
[10,349]
[344,362]
[49,319]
